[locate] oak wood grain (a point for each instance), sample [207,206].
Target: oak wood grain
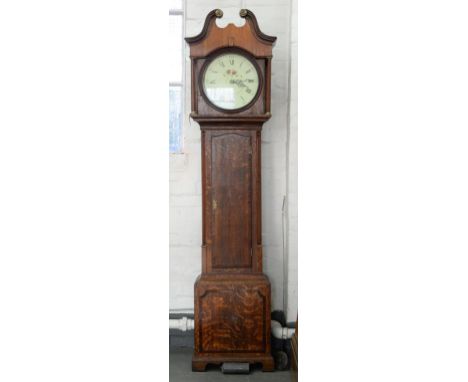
[232,295]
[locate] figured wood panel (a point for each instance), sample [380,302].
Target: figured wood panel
[231,204]
[233,320]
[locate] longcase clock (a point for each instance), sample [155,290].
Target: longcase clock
[230,82]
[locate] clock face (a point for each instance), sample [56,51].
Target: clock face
[231,81]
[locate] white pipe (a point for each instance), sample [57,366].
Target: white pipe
[277,330]
[183,324]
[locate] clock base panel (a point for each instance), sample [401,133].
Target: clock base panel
[232,320]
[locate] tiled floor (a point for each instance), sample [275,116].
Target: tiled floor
[180,370]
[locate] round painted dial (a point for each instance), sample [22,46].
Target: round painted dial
[231,81]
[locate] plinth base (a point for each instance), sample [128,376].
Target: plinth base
[199,362]
[232,320]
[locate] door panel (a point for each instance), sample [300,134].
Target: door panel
[231,205]
[233,319]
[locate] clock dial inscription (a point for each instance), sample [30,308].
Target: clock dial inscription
[230,81]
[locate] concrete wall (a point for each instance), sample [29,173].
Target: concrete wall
[279,163]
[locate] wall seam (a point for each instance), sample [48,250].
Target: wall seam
[288,133]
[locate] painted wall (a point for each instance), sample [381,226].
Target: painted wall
[279,162]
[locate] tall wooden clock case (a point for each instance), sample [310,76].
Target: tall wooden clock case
[230,82]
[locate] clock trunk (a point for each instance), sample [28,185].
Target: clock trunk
[230,178]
